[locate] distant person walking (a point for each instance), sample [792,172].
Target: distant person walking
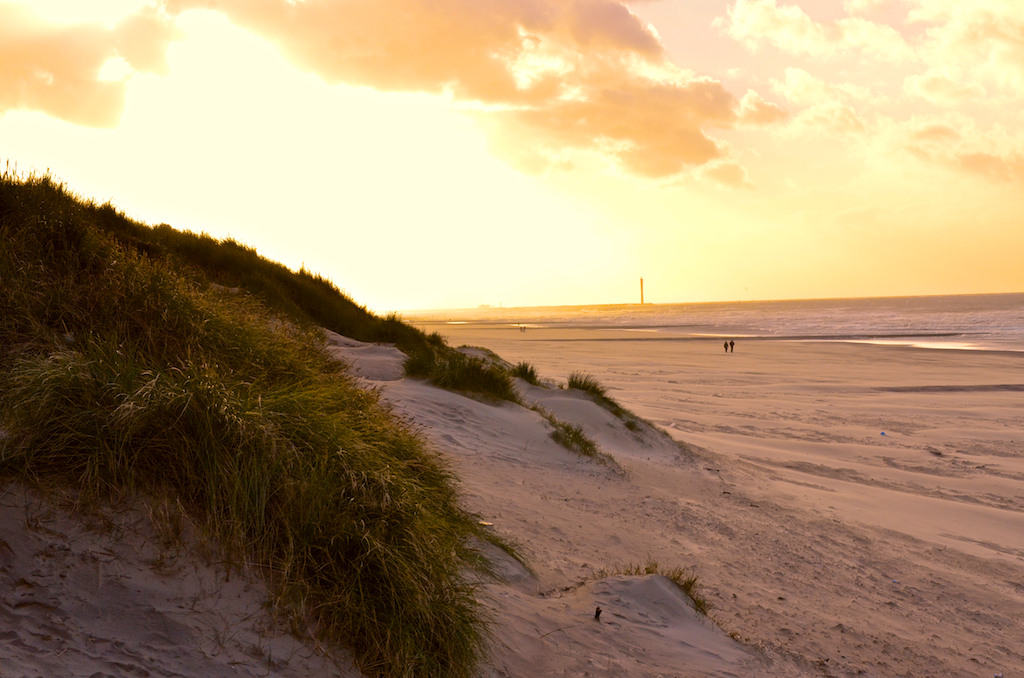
[726,346]
[732,345]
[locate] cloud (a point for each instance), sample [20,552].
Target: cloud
[757,112]
[999,166]
[56,69]
[983,38]
[551,77]
[943,85]
[614,25]
[141,39]
[788,28]
[469,48]
[862,6]
[728,173]
[828,105]
[954,141]
[831,116]
[652,130]
[936,132]
[804,89]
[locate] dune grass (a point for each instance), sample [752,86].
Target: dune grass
[684,578]
[589,384]
[453,370]
[526,372]
[302,295]
[586,382]
[573,438]
[123,372]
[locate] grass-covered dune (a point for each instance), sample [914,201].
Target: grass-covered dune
[125,373]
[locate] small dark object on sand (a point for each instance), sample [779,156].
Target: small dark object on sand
[597,614]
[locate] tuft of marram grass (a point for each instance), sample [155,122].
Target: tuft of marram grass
[573,438]
[526,372]
[684,578]
[589,384]
[453,370]
[121,372]
[586,382]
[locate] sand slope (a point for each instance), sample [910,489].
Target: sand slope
[572,518]
[104,599]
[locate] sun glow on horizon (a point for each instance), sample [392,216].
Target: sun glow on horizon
[598,160]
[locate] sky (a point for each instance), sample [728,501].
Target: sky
[427,154]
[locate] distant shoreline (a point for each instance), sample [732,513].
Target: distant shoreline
[486,309]
[959,322]
[930,340]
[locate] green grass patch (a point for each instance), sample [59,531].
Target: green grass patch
[588,383]
[305,296]
[526,372]
[447,368]
[123,372]
[573,438]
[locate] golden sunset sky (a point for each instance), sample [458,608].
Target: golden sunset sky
[449,153]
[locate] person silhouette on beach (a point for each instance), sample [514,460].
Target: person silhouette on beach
[732,344]
[726,346]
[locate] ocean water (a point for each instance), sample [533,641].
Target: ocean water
[973,322]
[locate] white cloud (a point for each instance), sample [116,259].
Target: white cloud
[831,116]
[754,110]
[727,173]
[829,107]
[561,77]
[985,38]
[802,88]
[76,72]
[943,85]
[862,6]
[956,142]
[788,28]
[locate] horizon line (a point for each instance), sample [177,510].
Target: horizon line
[486,307]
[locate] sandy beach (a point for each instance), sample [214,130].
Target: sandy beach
[824,547]
[851,509]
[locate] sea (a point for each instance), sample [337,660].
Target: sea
[965,322]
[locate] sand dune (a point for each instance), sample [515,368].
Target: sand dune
[573,518]
[104,597]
